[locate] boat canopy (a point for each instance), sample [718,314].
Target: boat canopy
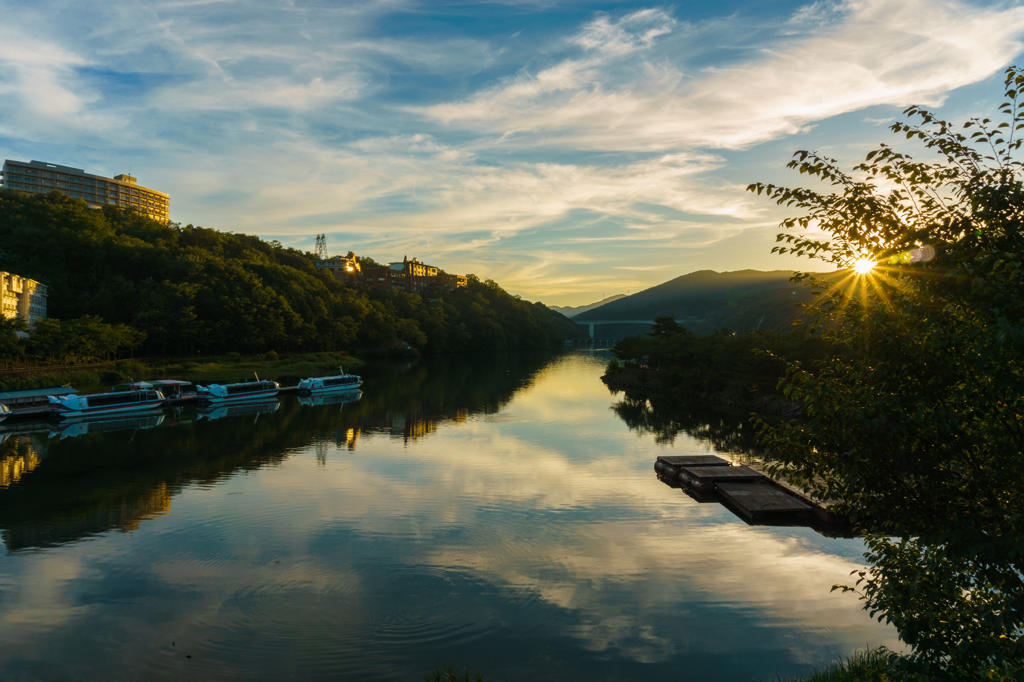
[171,382]
[133,387]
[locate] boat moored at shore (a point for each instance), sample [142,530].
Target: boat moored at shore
[33,402]
[261,389]
[100,404]
[339,382]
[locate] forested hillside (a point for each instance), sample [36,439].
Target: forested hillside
[192,289]
[706,300]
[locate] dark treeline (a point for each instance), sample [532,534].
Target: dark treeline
[680,361]
[189,289]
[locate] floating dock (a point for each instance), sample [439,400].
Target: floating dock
[761,501]
[745,490]
[705,479]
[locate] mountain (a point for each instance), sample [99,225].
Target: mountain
[570,311]
[707,300]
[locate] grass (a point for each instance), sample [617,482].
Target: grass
[874,665]
[227,369]
[209,369]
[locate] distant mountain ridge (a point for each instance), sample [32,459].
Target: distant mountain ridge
[707,300]
[570,311]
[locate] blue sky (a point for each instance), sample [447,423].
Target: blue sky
[564,149]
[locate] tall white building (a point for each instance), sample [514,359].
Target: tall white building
[22,297]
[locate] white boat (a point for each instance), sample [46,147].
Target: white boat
[261,389]
[115,402]
[339,382]
[5,412]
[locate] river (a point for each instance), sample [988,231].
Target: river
[496,512]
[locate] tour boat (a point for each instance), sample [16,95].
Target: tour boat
[261,389]
[340,382]
[115,402]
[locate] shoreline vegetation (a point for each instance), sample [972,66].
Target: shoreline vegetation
[724,369]
[230,367]
[120,284]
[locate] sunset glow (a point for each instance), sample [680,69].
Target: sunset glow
[863,266]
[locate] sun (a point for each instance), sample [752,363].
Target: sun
[863,266]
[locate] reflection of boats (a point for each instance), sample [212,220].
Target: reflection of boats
[212,413]
[246,390]
[330,398]
[340,382]
[115,402]
[80,427]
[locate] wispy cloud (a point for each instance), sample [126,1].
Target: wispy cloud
[873,52]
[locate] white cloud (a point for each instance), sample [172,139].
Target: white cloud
[878,53]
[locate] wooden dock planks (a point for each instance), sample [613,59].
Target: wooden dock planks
[694,461]
[756,501]
[703,479]
[668,467]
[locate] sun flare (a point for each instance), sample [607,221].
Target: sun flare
[863,266]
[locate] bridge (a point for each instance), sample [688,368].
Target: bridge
[593,323]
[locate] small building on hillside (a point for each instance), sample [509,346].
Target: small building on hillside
[453,282]
[418,276]
[383,278]
[22,298]
[407,275]
[345,269]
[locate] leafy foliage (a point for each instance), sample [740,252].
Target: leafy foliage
[917,426]
[748,360]
[192,289]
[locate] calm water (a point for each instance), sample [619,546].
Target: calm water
[499,512]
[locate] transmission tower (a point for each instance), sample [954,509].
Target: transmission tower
[321,246]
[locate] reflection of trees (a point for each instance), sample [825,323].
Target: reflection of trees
[413,403]
[725,431]
[61,490]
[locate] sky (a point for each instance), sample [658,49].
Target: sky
[567,149]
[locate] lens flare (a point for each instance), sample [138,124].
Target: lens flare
[863,266]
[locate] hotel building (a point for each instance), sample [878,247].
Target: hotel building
[22,297]
[122,190]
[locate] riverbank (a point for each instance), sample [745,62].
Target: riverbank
[227,368]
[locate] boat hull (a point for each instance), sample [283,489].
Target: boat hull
[255,395]
[66,412]
[332,389]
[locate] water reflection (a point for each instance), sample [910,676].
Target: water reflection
[724,431]
[240,410]
[490,511]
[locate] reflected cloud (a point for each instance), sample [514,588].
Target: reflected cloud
[467,501]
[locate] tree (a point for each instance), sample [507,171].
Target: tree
[917,424]
[11,347]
